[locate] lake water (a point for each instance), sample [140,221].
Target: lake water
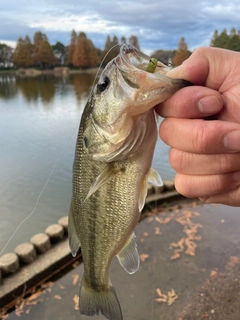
[39,119]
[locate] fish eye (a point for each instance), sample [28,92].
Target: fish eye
[103,84]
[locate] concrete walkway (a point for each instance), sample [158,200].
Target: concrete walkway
[190,270]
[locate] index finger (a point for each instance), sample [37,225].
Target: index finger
[191,102]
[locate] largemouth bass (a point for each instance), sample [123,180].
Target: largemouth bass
[111,170]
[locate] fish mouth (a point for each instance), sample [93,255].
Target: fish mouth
[135,60]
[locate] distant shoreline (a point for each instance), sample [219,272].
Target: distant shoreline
[56,71]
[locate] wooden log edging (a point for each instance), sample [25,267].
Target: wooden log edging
[27,252]
[46,252]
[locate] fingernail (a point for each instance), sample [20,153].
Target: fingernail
[236,176]
[232,141]
[209,105]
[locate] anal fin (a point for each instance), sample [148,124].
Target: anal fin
[128,257]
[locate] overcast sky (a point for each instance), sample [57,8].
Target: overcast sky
[158,24]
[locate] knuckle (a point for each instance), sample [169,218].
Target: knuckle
[201,51]
[184,185]
[224,162]
[177,159]
[200,136]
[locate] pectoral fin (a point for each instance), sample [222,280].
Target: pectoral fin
[74,242]
[128,257]
[143,193]
[154,178]
[100,180]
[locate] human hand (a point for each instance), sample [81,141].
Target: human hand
[205,153]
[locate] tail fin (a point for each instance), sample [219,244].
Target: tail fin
[105,302]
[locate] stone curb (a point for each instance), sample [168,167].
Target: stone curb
[46,252]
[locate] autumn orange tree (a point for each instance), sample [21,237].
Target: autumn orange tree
[85,54]
[71,47]
[43,55]
[182,53]
[22,56]
[37,39]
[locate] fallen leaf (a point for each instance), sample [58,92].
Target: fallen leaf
[57,297]
[61,286]
[34,296]
[161,300]
[176,255]
[47,284]
[75,264]
[75,279]
[172,296]
[76,302]
[143,256]
[179,244]
[162,297]
[213,273]
[3,315]
[157,230]
[145,234]
[19,308]
[163,220]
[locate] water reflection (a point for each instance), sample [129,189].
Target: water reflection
[8,89]
[81,85]
[45,87]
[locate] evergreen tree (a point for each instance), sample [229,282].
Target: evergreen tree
[134,41]
[165,56]
[182,53]
[59,51]
[215,36]
[224,40]
[123,40]
[108,44]
[114,41]
[109,52]
[232,32]
[93,55]
[233,43]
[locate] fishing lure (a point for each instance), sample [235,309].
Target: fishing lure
[152,64]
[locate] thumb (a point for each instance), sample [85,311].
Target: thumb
[209,67]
